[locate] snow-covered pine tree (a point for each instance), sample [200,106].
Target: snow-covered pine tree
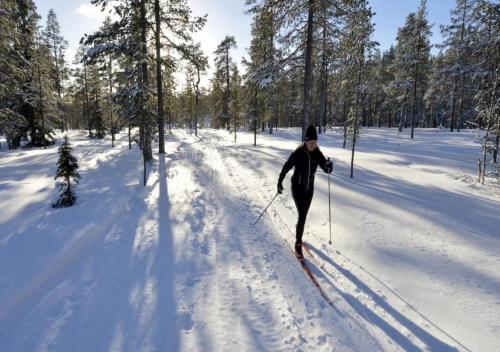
[436,96]
[199,64]
[57,46]
[80,88]
[186,98]
[25,87]
[355,44]
[110,107]
[297,25]
[412,58]
[486,70]
[265,68]
[127,37]
[42,95]
[67,170]
[389,105]
[177,18]
[12,73]
[374,89]
[260,66]
[330,18]
[169,88]
[223,63]
[97,98]
[457,42]
[235,101]
[217,97]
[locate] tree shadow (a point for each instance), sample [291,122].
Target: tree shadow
[460,211]
[163,267]
[431,341]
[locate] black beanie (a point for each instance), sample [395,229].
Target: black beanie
[311,133]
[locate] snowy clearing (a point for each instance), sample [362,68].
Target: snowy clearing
[178,264]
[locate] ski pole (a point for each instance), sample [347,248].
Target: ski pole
[329,205]
[265,209]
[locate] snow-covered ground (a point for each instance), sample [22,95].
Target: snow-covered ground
[179,265]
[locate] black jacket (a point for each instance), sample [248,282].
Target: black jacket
[305,164]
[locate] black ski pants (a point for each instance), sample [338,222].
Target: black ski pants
[302,199]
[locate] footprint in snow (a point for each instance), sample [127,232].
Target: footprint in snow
[204,249]
[185,321]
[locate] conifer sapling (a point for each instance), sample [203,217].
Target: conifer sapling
[67,167]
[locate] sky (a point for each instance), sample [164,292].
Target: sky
[227,17]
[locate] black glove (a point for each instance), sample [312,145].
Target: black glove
[329,167]
[280,187]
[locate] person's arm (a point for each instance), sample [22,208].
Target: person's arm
[326,165]
[287,167]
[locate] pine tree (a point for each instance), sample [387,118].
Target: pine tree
[128,37]
[43,96]
[265,71]
[436,96]
[412,57]
[486,70]
[176,16]
[67,170]
[457,42]
[57,46]
[11,74]
[169,87]
[96,98]
[187,101]
[223,63]
[390,105]
[235,102]
[81,87]
[24,85]
[355,44]
[199,64]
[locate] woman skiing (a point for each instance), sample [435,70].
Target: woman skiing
[305,159]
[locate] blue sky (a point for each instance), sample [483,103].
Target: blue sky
[77,17]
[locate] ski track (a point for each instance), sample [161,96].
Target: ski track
[353,294]
[244,316]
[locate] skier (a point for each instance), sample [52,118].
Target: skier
[305,159]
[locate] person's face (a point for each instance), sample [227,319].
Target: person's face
[311,145]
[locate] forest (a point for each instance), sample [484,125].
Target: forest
[309,62]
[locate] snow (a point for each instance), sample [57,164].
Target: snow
[179,265]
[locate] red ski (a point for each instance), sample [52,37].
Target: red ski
[311,276]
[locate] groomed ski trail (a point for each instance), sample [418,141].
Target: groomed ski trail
[279,309]
[350,286]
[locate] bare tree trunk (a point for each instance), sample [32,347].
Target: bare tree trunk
[345,122]
[414,109]
[497,140]
[129,136]
[255,118]
[489,123]
[226,104]
[159,81]
[146,127]
[400,127]
[455,85]
[110,77]
[322,99]
[308,69]
[87,104]
[41,108]
[58,81]
[197,102]
[361,58]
